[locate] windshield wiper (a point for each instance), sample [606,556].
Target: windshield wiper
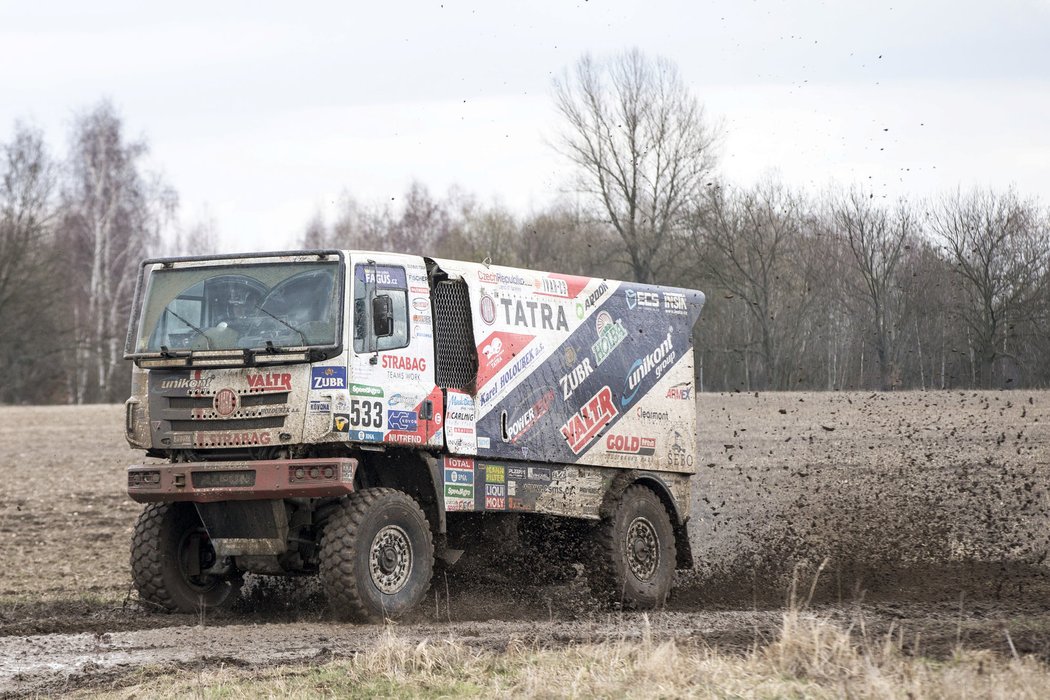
[302,336]
[207,340]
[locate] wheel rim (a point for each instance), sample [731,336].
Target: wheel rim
[641,548]
[195,544]
[390,559]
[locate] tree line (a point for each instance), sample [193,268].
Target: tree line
[840,291]
[834,290]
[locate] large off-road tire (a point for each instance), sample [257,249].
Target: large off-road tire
[633,558]
[168,550]
[377,556]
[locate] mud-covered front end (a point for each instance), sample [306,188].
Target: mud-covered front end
[239,363]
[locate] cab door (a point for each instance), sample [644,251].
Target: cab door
[393,395]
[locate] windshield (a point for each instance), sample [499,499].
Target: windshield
[233,307]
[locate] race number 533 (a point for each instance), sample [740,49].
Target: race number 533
[366,414]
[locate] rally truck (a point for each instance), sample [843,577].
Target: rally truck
[368,416]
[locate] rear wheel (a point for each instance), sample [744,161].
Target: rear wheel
[377,556]
[634,552]
[171,554]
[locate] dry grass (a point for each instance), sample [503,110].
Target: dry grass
[810,657]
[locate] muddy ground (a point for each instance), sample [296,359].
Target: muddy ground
[927,511]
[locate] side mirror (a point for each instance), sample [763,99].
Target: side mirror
[382,316]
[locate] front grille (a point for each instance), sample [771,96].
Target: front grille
[268,399]
[179,426]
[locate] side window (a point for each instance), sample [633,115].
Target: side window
[373,283]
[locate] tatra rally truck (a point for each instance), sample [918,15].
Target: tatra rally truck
[359,415]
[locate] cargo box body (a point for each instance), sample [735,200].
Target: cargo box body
[578,370]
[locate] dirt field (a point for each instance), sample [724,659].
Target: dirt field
[930,509]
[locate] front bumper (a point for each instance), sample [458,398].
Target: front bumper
[208,482]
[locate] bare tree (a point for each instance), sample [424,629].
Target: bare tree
[561,239]
[111,213]
[877,242]
[30,281]
[25,212]
[749,244]
[998,245]
[644,149]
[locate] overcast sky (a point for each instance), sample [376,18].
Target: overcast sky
[260,114]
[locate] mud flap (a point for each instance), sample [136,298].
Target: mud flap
[242,528]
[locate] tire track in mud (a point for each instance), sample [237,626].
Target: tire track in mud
[63,662]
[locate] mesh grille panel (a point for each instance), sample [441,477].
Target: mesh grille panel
[457,358]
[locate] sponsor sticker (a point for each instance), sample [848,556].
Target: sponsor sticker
[367,435]
[575,377]
[421,304]
[583,426]
[552,286]
[516,473]
[272,381]
[494,474]
[495,490]
[511,372]
[658,416]
[493,350]
[488,309]
[328,378]
[402,420]
[459,476]
[642,299]
[399,362]
[674,303]
[322,406]
[653,363]
[341,423]
[459,491]
[610,334]
[382,276]
[534,314]
[493,277]
[366,390]
[197,382]
[225,439]
[630,444]
[681,392]
[495,503]
[539,474]
[399,401]
[518,426]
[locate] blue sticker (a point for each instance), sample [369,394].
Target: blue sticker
[459,476]
[328,378]
[366,436]
[401,420]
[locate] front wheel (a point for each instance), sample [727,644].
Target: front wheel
[633,556]
[170,558]
[377,556]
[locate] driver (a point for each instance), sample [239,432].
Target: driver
[233,304]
